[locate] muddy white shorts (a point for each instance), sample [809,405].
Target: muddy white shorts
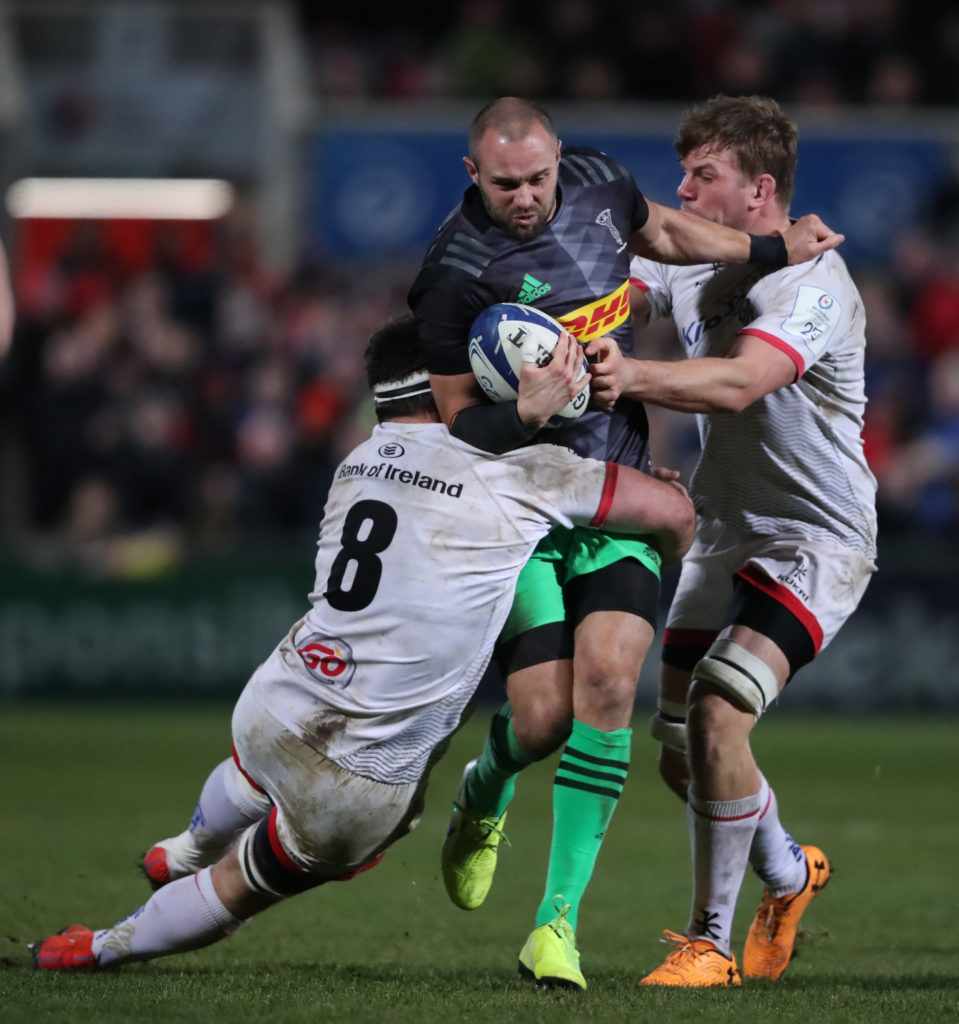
[329,822]
[820,584]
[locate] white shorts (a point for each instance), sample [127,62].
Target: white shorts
[329,821]
[821,584]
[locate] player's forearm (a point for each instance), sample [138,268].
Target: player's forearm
[702,385]
[642,504]
[672,236]
[492,428]
[681,238]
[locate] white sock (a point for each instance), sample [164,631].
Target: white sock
[184,915]
[774,855]
[228,804]
[720,834]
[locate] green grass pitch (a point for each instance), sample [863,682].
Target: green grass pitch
[87,788]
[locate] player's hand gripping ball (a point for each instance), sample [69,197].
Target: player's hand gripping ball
[505,336]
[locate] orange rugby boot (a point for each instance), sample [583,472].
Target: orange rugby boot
[694,963]
[772,935]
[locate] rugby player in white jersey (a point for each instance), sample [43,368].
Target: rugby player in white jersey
[421,543]
[786,528]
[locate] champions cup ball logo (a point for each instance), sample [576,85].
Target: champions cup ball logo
[825,301]
[508,334]
[327,659]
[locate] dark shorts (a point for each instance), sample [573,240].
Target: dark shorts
[571,574]
[750,607]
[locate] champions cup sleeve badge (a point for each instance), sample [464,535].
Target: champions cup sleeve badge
[327,659]
[606,220]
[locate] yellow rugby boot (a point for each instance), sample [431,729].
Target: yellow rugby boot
[549,958]
[470,851]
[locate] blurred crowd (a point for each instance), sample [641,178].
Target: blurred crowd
[195,401]
[188,398]
[183,399]
[820,52]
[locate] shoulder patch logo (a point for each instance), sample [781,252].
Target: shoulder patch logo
[814,317]
[531,289]
[605,219]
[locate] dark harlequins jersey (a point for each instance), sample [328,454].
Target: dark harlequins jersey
[577,270]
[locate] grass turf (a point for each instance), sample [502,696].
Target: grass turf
[87,788]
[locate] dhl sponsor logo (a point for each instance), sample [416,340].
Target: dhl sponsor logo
[599,317]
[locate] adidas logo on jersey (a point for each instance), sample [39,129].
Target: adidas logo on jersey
[531,289]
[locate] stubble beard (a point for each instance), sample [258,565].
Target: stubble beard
[521,232]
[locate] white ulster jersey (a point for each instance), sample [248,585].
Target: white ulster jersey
[420,546]
[792,462]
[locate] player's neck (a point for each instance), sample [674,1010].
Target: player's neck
[767,221]
[418,418]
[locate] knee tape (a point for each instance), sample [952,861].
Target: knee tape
[732,668]
[668,725]
[266,867]
[251,874]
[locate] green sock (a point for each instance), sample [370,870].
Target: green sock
[491,783]
[588,783]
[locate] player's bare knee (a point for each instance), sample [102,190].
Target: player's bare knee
[542,728]
[607,705]
[605,687]
[705,722]
[674,771]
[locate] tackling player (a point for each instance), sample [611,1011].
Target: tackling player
[336,732]
[554,228]
[786,523]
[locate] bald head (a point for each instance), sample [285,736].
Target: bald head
[512,119]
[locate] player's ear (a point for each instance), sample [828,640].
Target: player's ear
[471,169]
[764,189]
[559,149]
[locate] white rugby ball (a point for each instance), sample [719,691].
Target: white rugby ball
[508,334]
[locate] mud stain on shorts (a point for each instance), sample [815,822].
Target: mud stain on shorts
[321,729]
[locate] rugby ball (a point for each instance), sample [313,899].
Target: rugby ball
[508,334]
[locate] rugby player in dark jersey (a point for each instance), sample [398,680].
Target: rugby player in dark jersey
[556,229]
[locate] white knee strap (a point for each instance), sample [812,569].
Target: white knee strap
[668,725]
[248,866]
[731,667]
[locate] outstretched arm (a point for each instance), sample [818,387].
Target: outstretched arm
[671,236]
[752,369]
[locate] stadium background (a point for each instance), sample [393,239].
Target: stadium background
[179,391]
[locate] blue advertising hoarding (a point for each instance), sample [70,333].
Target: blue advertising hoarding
[380,193]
